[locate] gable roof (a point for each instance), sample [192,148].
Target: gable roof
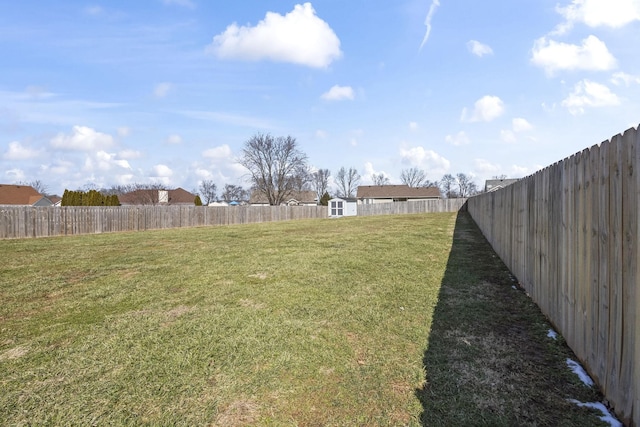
[178,196]
[24,195]
[305,197]
[397,192]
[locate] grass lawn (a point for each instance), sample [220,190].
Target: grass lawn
[391,320]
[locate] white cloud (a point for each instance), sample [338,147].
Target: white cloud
[518,125]
[624,78]
[321,134]
[521,125]
[413,126]
[17,151]
[130,154]
[484,167]
[222,152]
[162,89]
[556,56]
[174,139]
[425,159]
[299,37]
[486,109]
[369,171]
[479,49]
[184,3]
[161,174]
[521,171]
[104,161]
[458,139]
[427,21]
[598,13]
[339,93]
[589,94]
[82,138]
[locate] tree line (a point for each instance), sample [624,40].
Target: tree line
[278,168]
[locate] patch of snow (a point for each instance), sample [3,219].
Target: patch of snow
[606,415]
[513,286]
[552,334]
[580,372]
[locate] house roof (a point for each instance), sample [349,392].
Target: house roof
[19,195]
[178,196]
[300,196]
[496,184]
[397,192]
[181,196]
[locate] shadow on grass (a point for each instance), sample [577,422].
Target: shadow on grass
[489,360]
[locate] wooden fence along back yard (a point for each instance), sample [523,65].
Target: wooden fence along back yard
[570,234]
[412,207]
[25,221]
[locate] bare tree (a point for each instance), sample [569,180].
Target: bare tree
[301,179]
[320,181]
[347,182]
[273,163]
[413,177]
[37,185]
[380,179]
[466,187]
[208,190]
[427,183]
[234,193]
[446,186]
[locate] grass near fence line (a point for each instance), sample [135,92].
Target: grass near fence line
[358,321]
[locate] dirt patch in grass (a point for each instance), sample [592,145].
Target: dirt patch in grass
[238,414]
[14,353]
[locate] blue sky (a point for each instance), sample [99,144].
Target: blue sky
[168,91]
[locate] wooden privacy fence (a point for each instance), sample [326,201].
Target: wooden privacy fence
[25,221]
[570,234]
[411,207]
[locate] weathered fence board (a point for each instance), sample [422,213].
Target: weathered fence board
[570,234]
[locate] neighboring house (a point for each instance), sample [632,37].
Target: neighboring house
[22,195]
[296,198]
[342,207]
[496,184]
[178,196]
[368,194]
[56,200]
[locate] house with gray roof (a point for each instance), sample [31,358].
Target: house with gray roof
[368,194]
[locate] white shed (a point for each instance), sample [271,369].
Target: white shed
[342,207]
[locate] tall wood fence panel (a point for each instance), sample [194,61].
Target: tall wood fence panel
[26,221]
[411,207]
[570,234]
